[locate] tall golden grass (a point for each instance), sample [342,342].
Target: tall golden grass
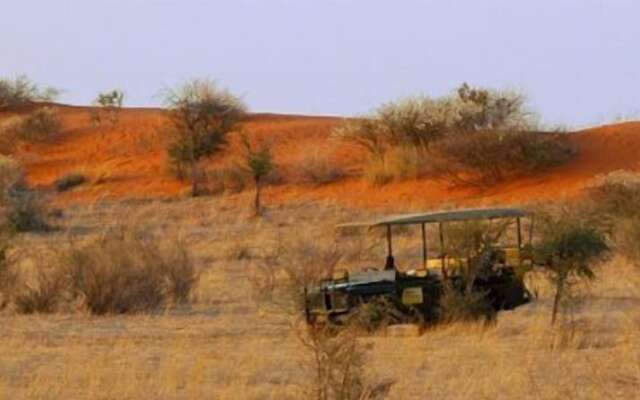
[224,346]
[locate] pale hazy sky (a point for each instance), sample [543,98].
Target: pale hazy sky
[578,60]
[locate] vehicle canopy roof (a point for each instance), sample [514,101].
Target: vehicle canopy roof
[439,216]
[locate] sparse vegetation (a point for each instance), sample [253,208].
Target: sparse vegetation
[108,108]
[201,115]
[21,90]
[41,125]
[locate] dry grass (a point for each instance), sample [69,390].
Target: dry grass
[223,346]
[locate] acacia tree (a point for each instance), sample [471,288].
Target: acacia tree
[201,115]
[259,162]
[569,244]
[109,104]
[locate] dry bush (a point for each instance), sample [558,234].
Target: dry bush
[127,272]
[123,271]
[281,278]
[317,168]
[398,164]
[475,136]
[41,125]
[336,366]
[615,198]
[421,121]
[8,274]
[69,181]
[21,90]
[11,174]
[45,292]
[335,358]
[230,178]
[485,158]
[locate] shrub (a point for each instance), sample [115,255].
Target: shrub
[108,107]
[11,175]
[8,275]
[474,136]
[45,293]
[39,126]
[231,178]
[397,164]
[201,115]
[615,199]
[617,194]
[25,210]
[317,168]
[420,120]
[21,90]
[121,272]
[126,272]
[69,181]
[485,158]
[336,365]
[22,209]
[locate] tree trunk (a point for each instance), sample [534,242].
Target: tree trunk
[257,206]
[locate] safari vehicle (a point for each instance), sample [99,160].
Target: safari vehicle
[493,269]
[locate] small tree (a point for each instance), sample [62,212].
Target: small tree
[568,246]
[259,163]
[201,116]
[110,104]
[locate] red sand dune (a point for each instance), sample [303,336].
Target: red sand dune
[129,161]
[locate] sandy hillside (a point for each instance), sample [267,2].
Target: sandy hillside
[129,160]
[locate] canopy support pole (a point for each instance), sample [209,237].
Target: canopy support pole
[389,246]
[442,255]
[519,233]
[424,246]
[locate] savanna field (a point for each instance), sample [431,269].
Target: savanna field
[212,332]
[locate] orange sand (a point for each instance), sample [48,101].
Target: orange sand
[129,161]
